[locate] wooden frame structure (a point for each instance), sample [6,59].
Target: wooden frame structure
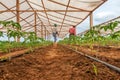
[39,15]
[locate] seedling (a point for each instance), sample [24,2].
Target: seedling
[95,69]
[3,59]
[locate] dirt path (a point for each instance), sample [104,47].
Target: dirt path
[52,54]
[52,63]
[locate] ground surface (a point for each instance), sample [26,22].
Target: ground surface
[108,54]
[54,63]
[11,50]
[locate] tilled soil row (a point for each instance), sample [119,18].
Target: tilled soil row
[109,55]
[52,63]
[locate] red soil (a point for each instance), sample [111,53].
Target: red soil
[51,63]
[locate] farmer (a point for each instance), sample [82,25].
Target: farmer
[55,32]
[72,31]
[72,34]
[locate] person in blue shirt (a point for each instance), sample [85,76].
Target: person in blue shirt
[55,32]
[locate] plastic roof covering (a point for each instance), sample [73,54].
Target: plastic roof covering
[64,13]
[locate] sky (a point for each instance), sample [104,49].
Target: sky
[109,10]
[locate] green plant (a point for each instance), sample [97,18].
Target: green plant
[6,47]
[111,26]
[1,34]
[31,37]
[3,59]
[14,33]
[115,35]
[13,29]
[12,24]
[95,69]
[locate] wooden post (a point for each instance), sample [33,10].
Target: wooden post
[35,17]
[48,35]
[17,16]
[41,30]
[91,21]
[45,33]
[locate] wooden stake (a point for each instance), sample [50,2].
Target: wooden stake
[35,17]
[91,21]
[17,16]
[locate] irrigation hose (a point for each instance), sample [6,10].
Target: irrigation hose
[96,59]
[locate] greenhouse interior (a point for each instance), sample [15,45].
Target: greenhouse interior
[59,40]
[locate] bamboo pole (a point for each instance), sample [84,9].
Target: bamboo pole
[41,30]
[17,16]
[45,33]
[64,15]
[91,21]
[35,22]
[40,11]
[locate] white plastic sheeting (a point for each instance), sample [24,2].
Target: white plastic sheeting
[64,13]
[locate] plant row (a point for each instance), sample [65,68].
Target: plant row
[96,37]
[14,30]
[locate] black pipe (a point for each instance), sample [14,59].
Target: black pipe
[96,59]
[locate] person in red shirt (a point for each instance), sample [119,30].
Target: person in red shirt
[72,34]
[72,31]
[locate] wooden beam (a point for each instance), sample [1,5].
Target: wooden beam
[36,12]
[54,20]
[91,12]
[35,19]
[41,30]
[15,13]
[29,22]
[41,22]
[12,7]
[45,33]
[91,21]
[48,35]
[1,11]
[17,16]
[14,16]
[55,11]
[53,25]
[64,15]
[46,12]
[27,17]
[99,5]
[69,6]
[29,27]
[62,18]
